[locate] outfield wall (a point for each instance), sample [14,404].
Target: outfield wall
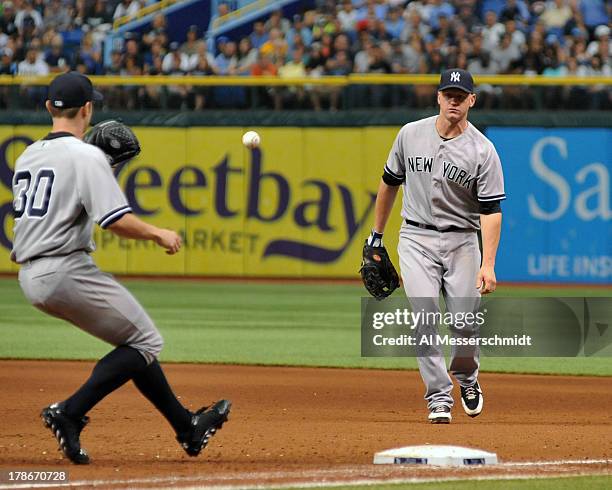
[301,206]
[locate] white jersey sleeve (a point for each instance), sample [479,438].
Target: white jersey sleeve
[98,189]
[491,178]
[395,168]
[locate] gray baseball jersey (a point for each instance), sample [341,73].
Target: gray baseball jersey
[444,181]
[60,187]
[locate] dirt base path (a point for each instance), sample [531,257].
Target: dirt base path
[293,424]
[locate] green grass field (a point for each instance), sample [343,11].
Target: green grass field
[570,483]
[250,323]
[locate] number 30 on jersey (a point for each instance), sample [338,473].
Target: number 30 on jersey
[32,200]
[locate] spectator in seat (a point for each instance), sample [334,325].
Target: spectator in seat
[492,31]
[380,32]
[505,53]
[315,65]
[292,95]
[247,57]
[266,67]
[151,97]
[32,66]
[467,17]
[133,51]
[98,13]
[533,62]
[158,28]
[57,16]
[600,95]
[275,46]
[28,12]
[593,12]
[362,57]
[395,23]
[202,95]
[298,29]
[576,21]
[514,10]
[227,60]
[556,14]
[378,63]
[259,35]
[55,57]
[225,64]
[340,64]
[415,24]
[277,21]
[91,56]
[7,21]
[190,46]
[434,9]
[222,9]
[486,94]
[576,96]
[602,39]
[202,51]
[176,64]
[115,96]
[372,9]
[7,67]
[517,38]
[175,61]
[155,52]
[347,16]
[126,8]
[28,31]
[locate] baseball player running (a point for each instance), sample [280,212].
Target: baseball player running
[61,186]
[453,185]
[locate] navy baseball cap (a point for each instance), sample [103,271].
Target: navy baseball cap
[72,89]
[457,78]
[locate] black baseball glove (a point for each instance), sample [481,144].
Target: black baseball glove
[115,139]
[377,272]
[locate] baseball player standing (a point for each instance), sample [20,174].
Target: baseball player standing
[61,186]
[453,185]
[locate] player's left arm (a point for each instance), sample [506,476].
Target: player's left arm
[490,226]
[490,195]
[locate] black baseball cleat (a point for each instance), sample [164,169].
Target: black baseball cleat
[204,424]
[66,430]
[440,415]
[472,399]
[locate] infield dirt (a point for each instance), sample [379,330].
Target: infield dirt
[322,424]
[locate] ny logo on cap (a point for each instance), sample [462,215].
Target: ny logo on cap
[455,76]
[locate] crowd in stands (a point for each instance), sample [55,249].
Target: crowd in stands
[549,37]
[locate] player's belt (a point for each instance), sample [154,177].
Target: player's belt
[55,256]
[423,226]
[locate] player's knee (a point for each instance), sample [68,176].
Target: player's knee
[149,345]
[156,345]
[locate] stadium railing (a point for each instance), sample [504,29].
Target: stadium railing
[352,89]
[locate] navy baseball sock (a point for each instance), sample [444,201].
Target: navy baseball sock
[112,371]
[153,384]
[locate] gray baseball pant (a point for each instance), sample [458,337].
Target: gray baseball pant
[72,288]
[432,262]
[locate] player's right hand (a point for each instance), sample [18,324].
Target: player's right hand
[170,240]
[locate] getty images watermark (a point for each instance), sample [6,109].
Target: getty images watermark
[508,327]
[465,325]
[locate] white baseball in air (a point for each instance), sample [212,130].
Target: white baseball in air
[251,139]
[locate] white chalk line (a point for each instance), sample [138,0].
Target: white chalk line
[330,477]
